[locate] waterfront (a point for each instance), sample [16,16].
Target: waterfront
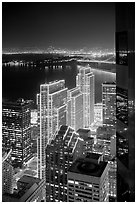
[26,84]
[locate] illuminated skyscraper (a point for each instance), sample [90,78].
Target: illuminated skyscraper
[75,109]
[51,103]
[16,130]
[85,81]
[109,103]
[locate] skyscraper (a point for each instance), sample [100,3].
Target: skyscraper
[109,103]
[75,109]
[85,81]
[51,103]
[63,150]
[16,130]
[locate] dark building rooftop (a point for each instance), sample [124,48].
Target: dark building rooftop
[93,156]
[6,197]
[83,131]
[29,179]
[109,83]
[24,193]
[84,134]
[88,167]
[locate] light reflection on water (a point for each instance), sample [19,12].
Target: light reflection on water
[26,85]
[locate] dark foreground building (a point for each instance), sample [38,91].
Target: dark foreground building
[125,78]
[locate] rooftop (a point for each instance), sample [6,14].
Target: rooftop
[6,197]
[109,83]
[88,167]
[31,184]
[29,179]
[93,156]
[83,131]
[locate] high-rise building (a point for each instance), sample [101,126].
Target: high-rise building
[75,109]
[60,153]
[16,132]
[51,102]
[7,173]
[109,103]
[88,180]
[125,78]
[85,81]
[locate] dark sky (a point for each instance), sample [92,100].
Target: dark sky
[64,25]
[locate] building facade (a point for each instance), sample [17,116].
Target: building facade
[125,77]
[16,132]
[98,112]
[88,181]
[85,81]
[109,103]
[7,173]
[88,141]
[51,102]
[75,109]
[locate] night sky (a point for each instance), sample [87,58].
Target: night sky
[64,25]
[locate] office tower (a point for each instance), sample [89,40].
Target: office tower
[109,103]
[75,109]
[85,81]
[51,103]
[98,112]
[16,133]
[88,180]
[125,78]
[30,189]
[63,150]
[7,173]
